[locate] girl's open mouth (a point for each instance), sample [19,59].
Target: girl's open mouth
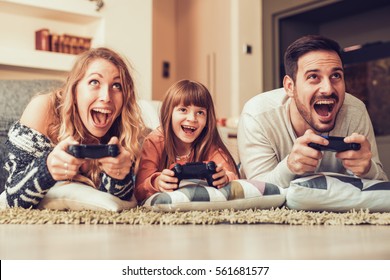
[188,129]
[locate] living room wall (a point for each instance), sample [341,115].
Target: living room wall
[148,33]
[212,41]
[124,25]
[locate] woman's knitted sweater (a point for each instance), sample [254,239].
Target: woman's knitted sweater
[28,176]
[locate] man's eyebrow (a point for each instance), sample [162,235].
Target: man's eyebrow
[317,70]
[312,71]
[338,69]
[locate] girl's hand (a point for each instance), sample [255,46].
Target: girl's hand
[220,178]
[166,181]
[61,165]
[117,167]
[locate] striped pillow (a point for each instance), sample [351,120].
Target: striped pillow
[238,194]
[337,192]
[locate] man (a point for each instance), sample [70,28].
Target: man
[276,127]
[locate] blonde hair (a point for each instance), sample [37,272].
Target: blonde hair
[128,126]
[187,92]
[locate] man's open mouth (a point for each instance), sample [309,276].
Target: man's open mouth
[324,107]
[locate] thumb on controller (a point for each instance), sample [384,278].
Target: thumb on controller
[64,144]
[114,140]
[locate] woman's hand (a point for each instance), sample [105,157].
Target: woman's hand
[61,165]
[117,167]
[220,177]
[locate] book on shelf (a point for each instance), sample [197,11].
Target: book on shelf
[65,43]
[54,42]
[76,44]
[42,39]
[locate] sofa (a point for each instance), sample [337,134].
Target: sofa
[15,95]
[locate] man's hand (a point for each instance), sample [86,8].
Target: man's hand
[303,158]
[358,162]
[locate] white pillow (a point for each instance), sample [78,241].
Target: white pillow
[3,201]
[150,110]
[337,192]
[78,196]
[238,194]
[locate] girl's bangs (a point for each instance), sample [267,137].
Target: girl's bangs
[191,96]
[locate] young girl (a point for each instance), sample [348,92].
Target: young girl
[96,105]
[188,133]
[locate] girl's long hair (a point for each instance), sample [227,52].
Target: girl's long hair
[187,92]
[128,126]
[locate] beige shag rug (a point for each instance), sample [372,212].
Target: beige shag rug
[142,216]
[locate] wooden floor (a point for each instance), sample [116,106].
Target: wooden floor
[186,242]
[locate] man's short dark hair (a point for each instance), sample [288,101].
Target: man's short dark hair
[304,45]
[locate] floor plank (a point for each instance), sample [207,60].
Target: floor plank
[218,242]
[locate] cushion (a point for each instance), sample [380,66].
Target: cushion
[338,193]
[77,196]
[3,201]
[150,110]
[238,194]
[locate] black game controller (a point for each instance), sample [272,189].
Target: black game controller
[336,144]
[93,151]
[196,170]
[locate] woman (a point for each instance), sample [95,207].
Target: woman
[96,105]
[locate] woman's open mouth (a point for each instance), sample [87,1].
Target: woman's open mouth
[101,116]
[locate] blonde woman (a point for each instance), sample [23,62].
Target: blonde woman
[96,105]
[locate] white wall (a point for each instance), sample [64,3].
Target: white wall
[148,32]
[128,29]
[211,36]
[247,77]
[126,26]
[164,46]
[204,47]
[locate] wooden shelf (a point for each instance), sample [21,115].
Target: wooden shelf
[19,52]
[74,11]
[36,59]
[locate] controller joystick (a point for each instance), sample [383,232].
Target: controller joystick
[93,151]
[195,170]
[336,144]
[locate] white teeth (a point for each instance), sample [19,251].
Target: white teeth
[189,127]
[103,111]
[325,102]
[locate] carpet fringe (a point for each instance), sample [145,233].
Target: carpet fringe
[143,216]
